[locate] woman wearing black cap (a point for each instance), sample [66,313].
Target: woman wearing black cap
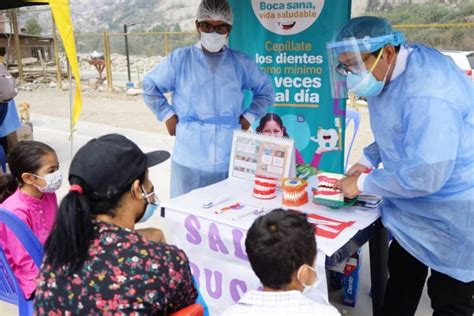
[96,263]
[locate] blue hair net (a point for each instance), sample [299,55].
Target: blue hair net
[218,10]
[366,34]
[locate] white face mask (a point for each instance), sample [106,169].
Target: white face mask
[213,42]
[308,288]
[53,182]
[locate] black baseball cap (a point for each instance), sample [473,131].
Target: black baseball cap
[110,163]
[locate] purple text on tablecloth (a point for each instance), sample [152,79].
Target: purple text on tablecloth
[214,283]
[193,227]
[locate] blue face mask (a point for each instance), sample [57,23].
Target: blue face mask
[150,208]
[364,84]
[149,211]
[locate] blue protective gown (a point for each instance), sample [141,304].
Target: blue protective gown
[208,98]
[12,121]
[423,125]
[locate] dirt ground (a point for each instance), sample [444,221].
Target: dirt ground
[115,109]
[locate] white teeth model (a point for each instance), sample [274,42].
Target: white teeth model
[294,192]
[293,196]
[262,188]
[325,189]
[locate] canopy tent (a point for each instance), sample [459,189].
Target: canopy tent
[10,4]
[62,18]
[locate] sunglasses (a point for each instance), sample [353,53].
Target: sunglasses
[219,29]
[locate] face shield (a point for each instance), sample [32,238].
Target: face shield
[350,56]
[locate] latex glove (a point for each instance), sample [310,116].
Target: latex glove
[244,123]
[348,186]
[153,234]
[171,125]
[357,169]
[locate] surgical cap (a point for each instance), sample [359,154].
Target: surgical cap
[370,33]
[218,10]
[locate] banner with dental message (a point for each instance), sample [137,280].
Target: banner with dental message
[288,40]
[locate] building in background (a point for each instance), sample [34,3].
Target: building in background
[30,46]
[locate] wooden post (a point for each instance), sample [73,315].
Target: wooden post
[352,99]
[59,77]
[167,49]
[108,62]
[17,44]
[43,64]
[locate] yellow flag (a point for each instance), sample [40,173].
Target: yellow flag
[62,18]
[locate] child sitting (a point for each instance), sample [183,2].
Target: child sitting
[96,263]
[28,192]
[281,248]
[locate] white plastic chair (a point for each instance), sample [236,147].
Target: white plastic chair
[351,116]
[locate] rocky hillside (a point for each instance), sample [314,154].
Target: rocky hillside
[361,6]
[100,15]
[111,15]
[97,16]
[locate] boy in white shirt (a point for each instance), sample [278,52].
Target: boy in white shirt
[281,248]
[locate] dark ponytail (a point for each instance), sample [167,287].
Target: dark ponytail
[271,117]
[25,156]
[8,186]
[68,244]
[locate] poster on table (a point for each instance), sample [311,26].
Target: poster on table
[267,156]
[287,39]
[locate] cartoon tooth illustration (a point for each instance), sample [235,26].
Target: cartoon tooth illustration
[327,139]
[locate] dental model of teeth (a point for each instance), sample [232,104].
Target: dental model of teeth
[294,192]
[325,194]
[264,187]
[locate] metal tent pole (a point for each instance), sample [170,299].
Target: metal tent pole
[71,138]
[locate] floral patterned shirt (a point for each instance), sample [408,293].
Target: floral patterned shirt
[124,274]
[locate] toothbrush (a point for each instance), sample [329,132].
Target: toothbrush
[337,123]
[215,201]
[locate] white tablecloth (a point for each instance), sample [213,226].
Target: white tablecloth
[214,242]
[239,191]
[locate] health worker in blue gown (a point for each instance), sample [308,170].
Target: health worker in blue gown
[421,109]
[207,82]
